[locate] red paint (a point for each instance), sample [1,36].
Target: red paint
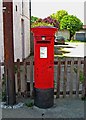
[44,67]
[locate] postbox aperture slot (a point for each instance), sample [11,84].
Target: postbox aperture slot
[47,41]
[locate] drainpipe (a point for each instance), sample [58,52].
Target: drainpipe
[31,36]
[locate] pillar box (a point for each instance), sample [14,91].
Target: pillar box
[44,66]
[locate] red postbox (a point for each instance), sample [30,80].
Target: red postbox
[44,66]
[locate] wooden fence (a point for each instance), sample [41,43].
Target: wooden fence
[68,77]
[0,76]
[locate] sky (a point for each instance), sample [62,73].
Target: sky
[44,8]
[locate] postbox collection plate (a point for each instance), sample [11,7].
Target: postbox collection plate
[43,52]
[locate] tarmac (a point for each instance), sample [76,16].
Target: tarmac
[62,108]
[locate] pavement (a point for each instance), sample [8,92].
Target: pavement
[63,108]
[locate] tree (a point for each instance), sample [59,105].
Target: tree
[71,23]
[33,19]
[59,15]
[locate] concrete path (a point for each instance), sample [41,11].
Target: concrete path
[77,51]
[74,49]
[63,108]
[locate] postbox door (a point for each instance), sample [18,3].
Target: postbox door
[44,66]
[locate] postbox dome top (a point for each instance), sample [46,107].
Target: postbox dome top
[44,27]
[44,30]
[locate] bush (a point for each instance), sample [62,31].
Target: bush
[29,104]
[46,22]
[40,24]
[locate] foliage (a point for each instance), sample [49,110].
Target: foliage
[29,104]
[33,19]
[46,22]
[81,76]
[40,24]
[59,15]
[75,41]
[71,23]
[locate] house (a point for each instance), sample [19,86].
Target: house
[21,30]
[65,33]
[81,34]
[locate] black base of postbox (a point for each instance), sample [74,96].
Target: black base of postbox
[44,98]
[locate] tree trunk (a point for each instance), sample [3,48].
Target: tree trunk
[71,35]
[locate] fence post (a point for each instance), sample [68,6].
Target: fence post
[25,75]
[84,82]
[58,78]
[18,75]
[31,76]
[71,77]
[78,77]
[0,77]
[85,74]
[65,78]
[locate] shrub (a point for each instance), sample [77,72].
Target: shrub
[46,22]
